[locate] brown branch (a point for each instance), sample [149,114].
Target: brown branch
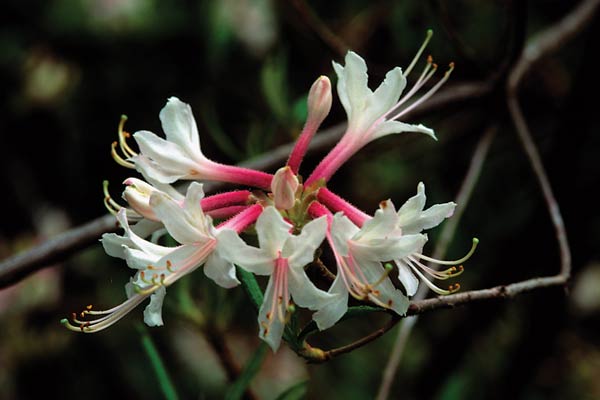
[217,340]
[442,302]
[18,266]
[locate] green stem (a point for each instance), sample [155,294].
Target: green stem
[164,381]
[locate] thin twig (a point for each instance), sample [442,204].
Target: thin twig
[217,340]
[18,266]
[462,199]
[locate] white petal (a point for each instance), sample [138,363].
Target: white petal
[153,311]
[193,197]
[383,224]
[388,93]
[272,231]
[300,249]
[413,207]
[407,278]
[389,127]
[270,329]
[389,248]
[137,259]
[387,293]
[341,89]
[304,292]
[342,230]
[356,80]
[168,157]
[151,170]
[179,124]
[234,249]
[430,218]
[177,220]
[114,245]
[221,271]
[335,309]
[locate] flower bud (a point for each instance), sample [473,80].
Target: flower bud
[319,101]
[284,186]
[137,193]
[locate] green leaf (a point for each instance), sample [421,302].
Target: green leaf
[274,86]
[295,392]
[250,287]
[164,381]
[237,389]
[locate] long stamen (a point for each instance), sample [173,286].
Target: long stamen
[419,52]
[441,275]
[429,70]
[123,136]
[120,160]
[431,285]
[454,262]
[428,94]
[110,204]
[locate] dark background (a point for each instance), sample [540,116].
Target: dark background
[70,68]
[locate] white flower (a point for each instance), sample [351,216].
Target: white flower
[359,253]
[159,266]
[412,219]
[177,157]
[369,112]
[283,256]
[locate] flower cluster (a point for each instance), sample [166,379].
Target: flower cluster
[291,217]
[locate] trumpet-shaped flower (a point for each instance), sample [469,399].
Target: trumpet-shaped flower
[359,253]
[283,256]
[159,266]
[180,156]
[412,219]
[372,115]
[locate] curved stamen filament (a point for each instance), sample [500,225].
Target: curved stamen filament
[120,160]
[454,262]
[436,289]
[419,52]
[428,94]
[112,206]
[113,315]
[441,275]
[123,136]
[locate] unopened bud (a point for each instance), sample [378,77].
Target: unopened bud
[284,186]
[319,101]
[137,193]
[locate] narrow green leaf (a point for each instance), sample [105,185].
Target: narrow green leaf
[250,287]
[237,389]
[274,86]
[164,381]
[295,392]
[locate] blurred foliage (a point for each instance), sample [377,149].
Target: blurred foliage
[70,68]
